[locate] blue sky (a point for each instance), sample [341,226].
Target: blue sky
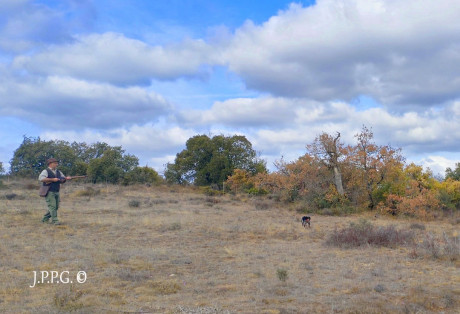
[148,75]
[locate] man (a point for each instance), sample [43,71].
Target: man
[53,178]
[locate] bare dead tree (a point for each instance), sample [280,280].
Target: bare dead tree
[327,150]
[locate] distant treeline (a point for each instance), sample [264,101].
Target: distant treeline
[330,177]
[99,161]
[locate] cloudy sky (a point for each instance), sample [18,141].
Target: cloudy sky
[148,75]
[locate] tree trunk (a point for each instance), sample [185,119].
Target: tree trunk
[338,180]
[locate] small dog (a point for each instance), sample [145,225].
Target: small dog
[306,221]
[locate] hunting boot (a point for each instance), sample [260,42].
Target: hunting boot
[54,219]
[46,217]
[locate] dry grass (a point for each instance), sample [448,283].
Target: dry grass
[181,251]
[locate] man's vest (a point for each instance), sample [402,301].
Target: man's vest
[54,186]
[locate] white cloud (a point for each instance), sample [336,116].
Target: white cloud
[75,103]
[310,62]
[247,112]
[119,60]
[279,124]
[400,52]
[437,164]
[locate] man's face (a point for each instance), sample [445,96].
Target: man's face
[53,165]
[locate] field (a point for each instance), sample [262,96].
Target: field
[176,250]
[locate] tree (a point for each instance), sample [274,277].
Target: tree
[207,161]
[329,150]
[30,157]
[453,174]
[2,170]
[306,178]
[374,164]
[143,175]
[112,166]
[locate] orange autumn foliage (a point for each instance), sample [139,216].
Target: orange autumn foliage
[373,177]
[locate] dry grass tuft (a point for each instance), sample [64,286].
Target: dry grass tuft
[89,192]
[68,299]
[262,204]
[200,310]
[164,287]
[31,186]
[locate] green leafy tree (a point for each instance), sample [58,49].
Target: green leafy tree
[102,162]
[30,157]
[207,161]
[143,175]
[111,166]
[453,174]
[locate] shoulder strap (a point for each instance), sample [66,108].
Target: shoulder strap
[50,173]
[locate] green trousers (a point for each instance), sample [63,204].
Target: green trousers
[52,199]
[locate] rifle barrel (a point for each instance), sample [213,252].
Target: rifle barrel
[76,177]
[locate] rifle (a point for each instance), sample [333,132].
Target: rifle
[64,179]
[78,177]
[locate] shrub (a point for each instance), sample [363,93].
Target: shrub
[436,248]
[256,191]
[128,274]
[175,226]
[89,191]
[421,204]
[364,233]
[282,274]
[164,287]
[449,194]
[209,191]
[31,186]
[451,247]
[134,203]
[68,299]
[417,226]
[431,245]
[261,204]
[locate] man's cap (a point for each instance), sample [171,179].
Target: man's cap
[51,160]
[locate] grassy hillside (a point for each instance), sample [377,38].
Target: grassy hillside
[176,250]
